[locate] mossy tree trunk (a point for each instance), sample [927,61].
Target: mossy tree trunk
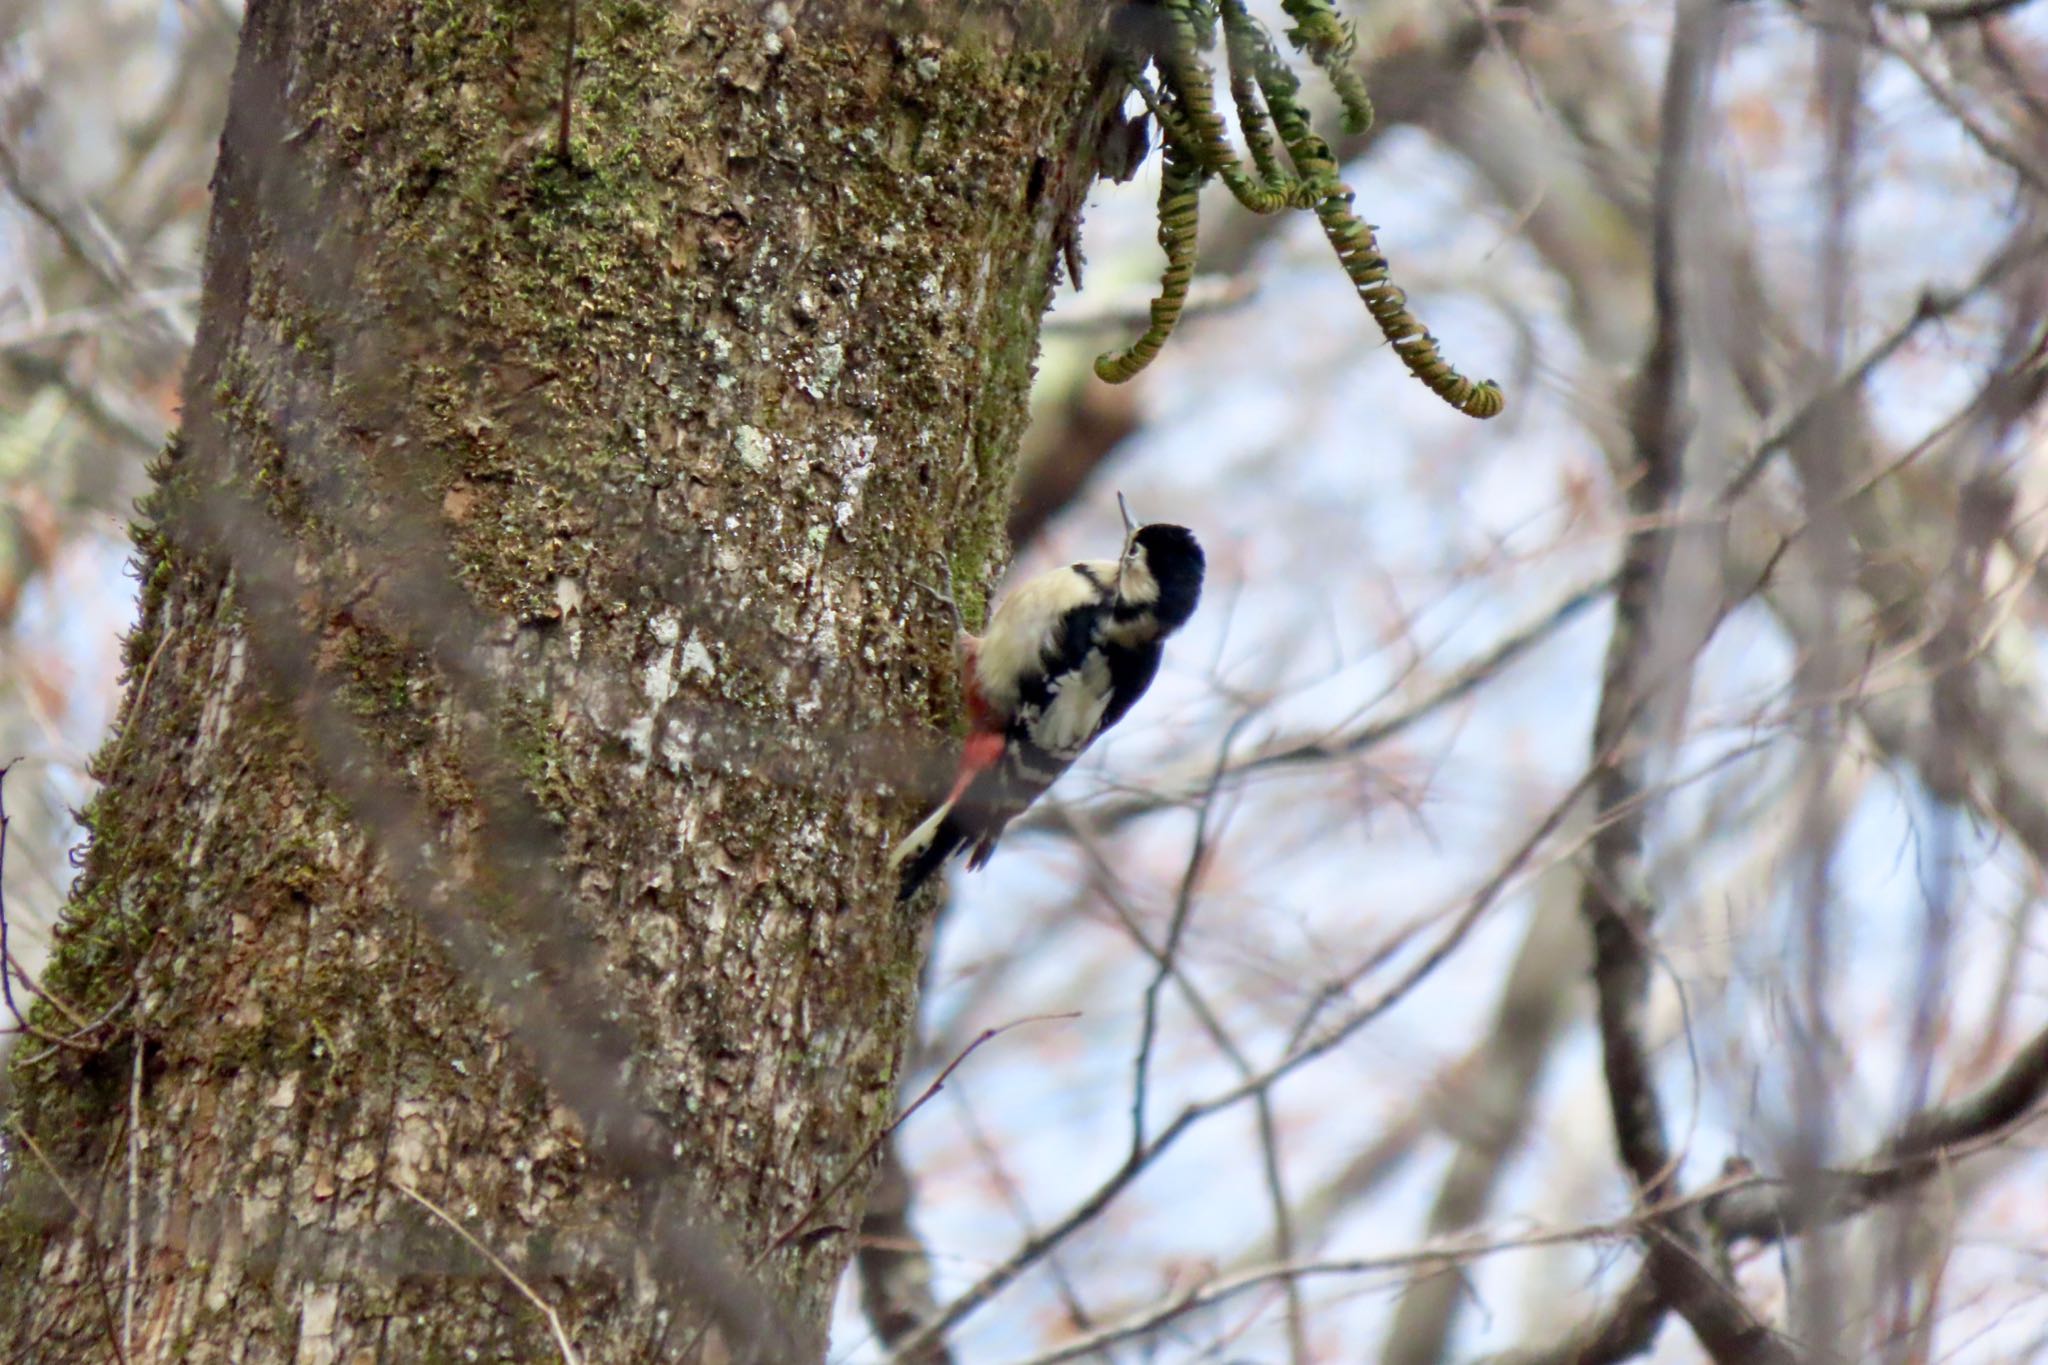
[597,491]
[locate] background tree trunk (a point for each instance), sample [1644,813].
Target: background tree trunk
[599,491]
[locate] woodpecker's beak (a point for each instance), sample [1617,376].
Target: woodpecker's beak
[1130,534]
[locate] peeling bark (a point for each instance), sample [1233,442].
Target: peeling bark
[606,490]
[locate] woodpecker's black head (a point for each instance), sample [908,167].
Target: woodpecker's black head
[1175,563]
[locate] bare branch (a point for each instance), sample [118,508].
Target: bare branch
[1624,1329]
[1769,1210]
[1491,1099]
[894,1268]
[1955,11]
[1616,903]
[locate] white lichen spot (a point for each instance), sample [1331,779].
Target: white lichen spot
[676,744]
[658,677]
[286,1093]
[357,1162]
[753,448]
[696,659]
[658,683]
[412,1131]
[639,737]
[858,454]
[825,372]
[317,1309]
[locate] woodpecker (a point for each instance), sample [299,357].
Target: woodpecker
[1063,658]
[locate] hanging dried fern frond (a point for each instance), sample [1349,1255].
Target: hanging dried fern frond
[1356,247]
[1265,94]
[1180,190]
[1188,114]
[1332,44]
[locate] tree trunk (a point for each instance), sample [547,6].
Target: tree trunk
[540,562]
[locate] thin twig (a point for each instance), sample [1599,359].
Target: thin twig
[1167,964]
[1297,752]
[6,953]
[9,969]
[135,698]
[854,1167]
[527,1291]
[1953,11]
[103,257]
[1933,306]
[892,1261]
[84,321]
[2014,158]
[996,1279]
[92,1240]
[75,1041]
[1445,1253]
[1183,907]
[990,1155]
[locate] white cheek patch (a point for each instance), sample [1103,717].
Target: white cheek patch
[1138,585]
[1074,714]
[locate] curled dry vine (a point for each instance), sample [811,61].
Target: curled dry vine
[1172,38]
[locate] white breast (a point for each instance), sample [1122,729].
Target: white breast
[1022,630]
[1073,716]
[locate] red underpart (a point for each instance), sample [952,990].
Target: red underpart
[984,745]
[970,684]
[983,750]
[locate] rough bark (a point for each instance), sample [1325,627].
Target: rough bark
[597,493]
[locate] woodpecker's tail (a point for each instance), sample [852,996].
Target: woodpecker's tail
[926,848]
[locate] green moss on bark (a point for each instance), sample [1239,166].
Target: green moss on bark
[684,421]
